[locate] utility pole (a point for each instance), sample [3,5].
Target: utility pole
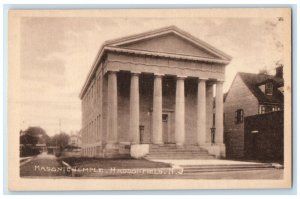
[59,125]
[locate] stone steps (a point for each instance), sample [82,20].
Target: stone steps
[178,153]
[224,168]
[171,151]
[178,149]
[228,165]
[173,145]
[180,157]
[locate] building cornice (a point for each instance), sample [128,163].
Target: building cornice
[106,49]
[166,55]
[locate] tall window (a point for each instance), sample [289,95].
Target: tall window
[269,88]
[239,116]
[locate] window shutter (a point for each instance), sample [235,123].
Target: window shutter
[242,115]
[236,117]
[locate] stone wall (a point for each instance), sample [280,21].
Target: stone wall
[264,137]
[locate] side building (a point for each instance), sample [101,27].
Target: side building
[249,94]
[75,139]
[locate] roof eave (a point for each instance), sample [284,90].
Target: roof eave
[100,54]
[165,30]
[169,55]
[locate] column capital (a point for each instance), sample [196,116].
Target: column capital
[135,73]
[202,79]
[220,81]
[158,74]
[180,77]
[112,71]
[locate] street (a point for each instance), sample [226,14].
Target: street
[42,165]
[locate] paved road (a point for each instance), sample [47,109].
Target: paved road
[42,165]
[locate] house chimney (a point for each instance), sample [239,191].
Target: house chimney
[263,72]
[279,71]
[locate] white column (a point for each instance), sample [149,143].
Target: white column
[219,113]
[157,137]
[88,133]
[180,112]
[201,112]
[104,105]
[209,110]
[134,108]
[112,108]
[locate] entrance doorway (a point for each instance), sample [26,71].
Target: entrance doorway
[168,134]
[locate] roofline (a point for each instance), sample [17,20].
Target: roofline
[91,72]
[259,100]
[164,30]
[117,41]
[110,44]
[239,73]
[161,54]
[231,84]
[268,80]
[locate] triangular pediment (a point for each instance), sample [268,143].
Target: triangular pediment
[169,40]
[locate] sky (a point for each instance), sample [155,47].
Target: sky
[57,54]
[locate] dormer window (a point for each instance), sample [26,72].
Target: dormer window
[269,88]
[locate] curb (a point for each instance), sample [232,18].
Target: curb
[26,160]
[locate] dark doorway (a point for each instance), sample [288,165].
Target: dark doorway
[168,134]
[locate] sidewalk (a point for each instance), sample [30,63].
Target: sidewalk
[203,162]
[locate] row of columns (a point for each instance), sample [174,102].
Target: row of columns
[157,136]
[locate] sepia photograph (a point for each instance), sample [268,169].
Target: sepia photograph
[138,99]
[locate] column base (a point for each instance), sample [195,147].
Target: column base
[158,143]
[180,145]
[216,149]
[203,144]
[111,145]
[139,150]
[116,150]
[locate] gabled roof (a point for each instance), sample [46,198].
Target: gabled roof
[120,45]
[277,81]
[252,81]
[165,31]
[224,96]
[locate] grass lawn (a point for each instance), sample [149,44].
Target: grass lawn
[125,163]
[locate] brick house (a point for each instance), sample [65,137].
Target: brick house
[249,94]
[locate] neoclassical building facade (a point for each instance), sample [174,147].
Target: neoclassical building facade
[154,88]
